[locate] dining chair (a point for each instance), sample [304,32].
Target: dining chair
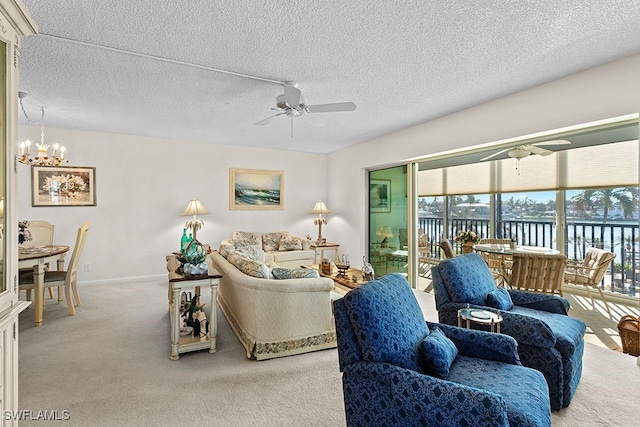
[498,263]
[590,272]
[62,278]
[536,272]
[41,233]
[447,248]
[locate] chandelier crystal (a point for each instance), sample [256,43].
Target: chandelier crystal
[42,157]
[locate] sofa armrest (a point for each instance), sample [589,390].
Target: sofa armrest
[480,344]
[540,301]
[415,399]
[525,329]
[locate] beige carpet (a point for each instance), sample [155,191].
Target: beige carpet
[109,366]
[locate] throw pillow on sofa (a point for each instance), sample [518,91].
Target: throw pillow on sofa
[290,243]
[226,249]
[271,241]
[249,267]
[294,273]
[246,238]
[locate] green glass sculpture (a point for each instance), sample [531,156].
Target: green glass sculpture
[195,253]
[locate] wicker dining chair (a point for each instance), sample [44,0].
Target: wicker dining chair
[590,272]
[447,248]
[499,264]
[536,272]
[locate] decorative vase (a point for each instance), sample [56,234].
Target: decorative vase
[467,248]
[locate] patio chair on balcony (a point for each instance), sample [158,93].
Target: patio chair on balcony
[536,272]
[445,244]
[499,264]
[590,272]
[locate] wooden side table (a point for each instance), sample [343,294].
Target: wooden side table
[319,251]
[178,284]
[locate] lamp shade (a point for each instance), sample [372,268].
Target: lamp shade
[195,207]
[320,208]
[384,232]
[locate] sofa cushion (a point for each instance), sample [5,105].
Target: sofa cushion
[437,353]
[499,299]
[226,249]
[248,266]
[271,241]
[466,278]
[294,273]
[387,304]
[246,238]
[293,255]
[290,243]
[252,252]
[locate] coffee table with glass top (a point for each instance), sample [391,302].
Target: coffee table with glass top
[481,317]
[347,280]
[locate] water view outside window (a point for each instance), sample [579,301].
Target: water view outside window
[605,218]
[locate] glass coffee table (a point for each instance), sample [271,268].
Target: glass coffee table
[481,317]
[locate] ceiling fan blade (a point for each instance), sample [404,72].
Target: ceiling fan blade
[554,142]
[268,119]
[495,154]
[292,95]
[540,151]
[330,108]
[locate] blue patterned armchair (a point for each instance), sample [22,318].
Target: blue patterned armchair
[398,369]
[548,339]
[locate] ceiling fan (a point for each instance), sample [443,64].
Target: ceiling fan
[291,103]
[521,151]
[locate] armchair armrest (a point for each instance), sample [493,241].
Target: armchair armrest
[539,301]
[480,344]
[525,329]
[425,399]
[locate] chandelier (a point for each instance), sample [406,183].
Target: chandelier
[42,157]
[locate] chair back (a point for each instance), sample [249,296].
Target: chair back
[536,272]
[445,244]
[597,260]
[41,233]
[462,279]
[380,322]
[72,268]
[489,241]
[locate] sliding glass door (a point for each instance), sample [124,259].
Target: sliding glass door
[388,218]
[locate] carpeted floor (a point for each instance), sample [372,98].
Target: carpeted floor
[109,366]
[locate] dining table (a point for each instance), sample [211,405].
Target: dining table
[500,249]
[40,258]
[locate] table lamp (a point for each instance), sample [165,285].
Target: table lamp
[320,209]
[194,208]
[384,232]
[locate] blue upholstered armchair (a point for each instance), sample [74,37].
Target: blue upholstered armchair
[548,339]
[400,370]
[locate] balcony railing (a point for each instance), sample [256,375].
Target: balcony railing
[619,237]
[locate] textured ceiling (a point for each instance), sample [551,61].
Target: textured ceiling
[401,62]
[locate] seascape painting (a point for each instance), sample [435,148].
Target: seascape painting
[255,189]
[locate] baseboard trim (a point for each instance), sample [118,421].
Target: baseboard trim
[139,279]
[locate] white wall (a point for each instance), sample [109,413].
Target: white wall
[144,184]
[603,92]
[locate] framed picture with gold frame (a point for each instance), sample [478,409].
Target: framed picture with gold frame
[63,186]
[256,189]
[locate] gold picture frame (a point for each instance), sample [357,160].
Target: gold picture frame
[256,189]
[63,186]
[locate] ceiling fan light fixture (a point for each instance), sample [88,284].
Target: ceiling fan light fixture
[519,153]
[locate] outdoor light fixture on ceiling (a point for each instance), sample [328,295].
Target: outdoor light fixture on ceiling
[42,157]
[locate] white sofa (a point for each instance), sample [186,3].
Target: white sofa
[275,317]
[290,258]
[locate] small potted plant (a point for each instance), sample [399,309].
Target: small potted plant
[466,239]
